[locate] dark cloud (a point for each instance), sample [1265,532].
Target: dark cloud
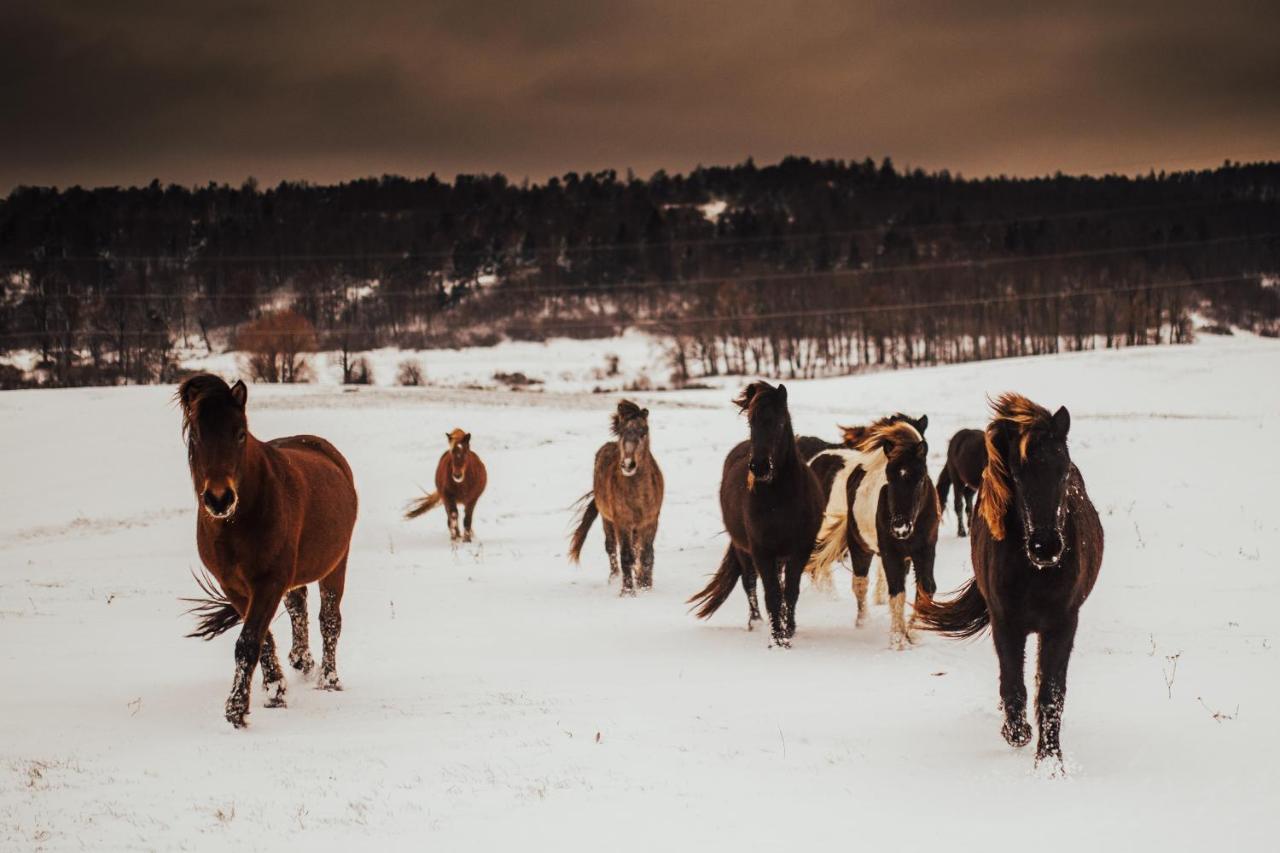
[122,92]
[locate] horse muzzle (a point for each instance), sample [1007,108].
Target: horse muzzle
[220,504]
[1044,548]
[628,467]
[457,478]
[761,470]
[901,528]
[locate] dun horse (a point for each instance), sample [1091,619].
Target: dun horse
[460,479]
[772,507]
[627,491]
[272,517]
[1037,551]
[966,460]
[879,500]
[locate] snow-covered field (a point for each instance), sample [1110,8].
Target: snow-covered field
[498,698]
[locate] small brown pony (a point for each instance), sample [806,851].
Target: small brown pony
[627,491]
[272,517]
[460,479]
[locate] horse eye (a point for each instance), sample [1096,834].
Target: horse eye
[240,437]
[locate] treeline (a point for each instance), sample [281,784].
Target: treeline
[799,268]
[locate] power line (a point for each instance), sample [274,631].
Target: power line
[633,246]
[816,277]
[722,318]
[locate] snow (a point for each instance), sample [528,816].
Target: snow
[497,697]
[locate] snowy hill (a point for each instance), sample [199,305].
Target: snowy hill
[498,697]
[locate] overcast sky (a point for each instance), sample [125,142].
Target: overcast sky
[124,91]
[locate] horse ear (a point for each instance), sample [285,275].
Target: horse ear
[782,392]
[466,439]
[644,413]
[240,393]
[1062,421]
[922,424]
[448,437]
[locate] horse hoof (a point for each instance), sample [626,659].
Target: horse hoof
[237,718]
[1051,765]
[275,694]
[627,592]
[898,642]
[329,682]
[303,662]
[1016,733]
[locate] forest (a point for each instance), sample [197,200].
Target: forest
[800,268]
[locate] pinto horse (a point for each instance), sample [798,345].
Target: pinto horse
[966,460]
[1037,551]
[627,490]
[460,479]
[272,517]
[879,500]
[772,508]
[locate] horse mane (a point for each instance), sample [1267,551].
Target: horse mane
[456,435]
[196,389]
[626,411]
[750,396]
[896,431]
[1024,416]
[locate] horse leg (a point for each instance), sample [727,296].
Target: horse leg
[451,509]
[894,567]
[791,593]
[300,653]
[646,557]
[626,538]
[968,504]
[961,499]
[747,571]
[767,568]
[272,675]
[882,590]
[922,564]
[861,561]
[249,648]
[1051,693]
[1011,649]
[466,522]
[611,546]
[331,589]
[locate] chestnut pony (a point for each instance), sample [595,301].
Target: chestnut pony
[460,479]
[271,517]
[627,488]
[966,460]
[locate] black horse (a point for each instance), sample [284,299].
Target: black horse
[1037,551]
[966,460]
[772,507]
[879,500]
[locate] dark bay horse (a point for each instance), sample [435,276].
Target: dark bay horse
[271,517]
[966,460]
[1037,551]
[772,508]
[627,489]
[879,500]
[460,479]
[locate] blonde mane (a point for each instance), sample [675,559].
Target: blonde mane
[1026,418]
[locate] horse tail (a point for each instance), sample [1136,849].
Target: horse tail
[944,486]
[964,616]
[829,547]
[214,613]
[422,505]
[586,518]
[718,589]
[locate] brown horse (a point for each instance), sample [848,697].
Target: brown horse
[771,503]
[271,518]
[966,460]
[627,491]
[460,479]
[1037,551]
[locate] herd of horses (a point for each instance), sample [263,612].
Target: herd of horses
[275,516]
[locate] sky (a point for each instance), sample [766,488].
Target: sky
[123,92]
